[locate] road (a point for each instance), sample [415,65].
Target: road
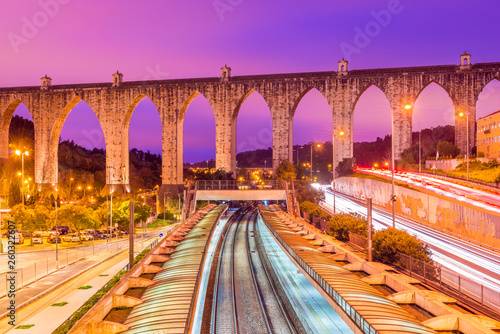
[488,200]
[27,258]
[471,261]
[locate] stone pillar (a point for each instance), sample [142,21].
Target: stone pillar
[402,119]
[282,135]
[465,106]
[172,148]
[225,141]
[341,99]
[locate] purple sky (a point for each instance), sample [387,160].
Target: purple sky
[86,41]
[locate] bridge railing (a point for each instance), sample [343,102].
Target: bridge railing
[240,185]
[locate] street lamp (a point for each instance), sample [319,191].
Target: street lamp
[22,154]
[341,134]
[467,150]
[317,145]
[57,229]
[393,196]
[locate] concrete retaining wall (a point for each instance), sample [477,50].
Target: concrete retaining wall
[454,216]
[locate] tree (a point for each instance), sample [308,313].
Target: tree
[305,192]
[447,149]
[285,171]
[387,243]
[77,216]
[341,224]
[346,166]
[15,196]
[30,219]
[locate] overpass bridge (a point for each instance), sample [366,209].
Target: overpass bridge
[232,190]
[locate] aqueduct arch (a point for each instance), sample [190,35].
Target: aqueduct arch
[113,104]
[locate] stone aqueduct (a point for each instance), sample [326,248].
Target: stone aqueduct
[113,103]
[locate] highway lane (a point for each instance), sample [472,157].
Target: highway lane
[471,261]
[488,200]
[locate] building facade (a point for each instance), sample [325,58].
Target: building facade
[488,135]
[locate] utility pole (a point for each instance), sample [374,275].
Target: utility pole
[370,237]
[131,236]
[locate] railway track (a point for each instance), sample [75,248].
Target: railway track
[244,299]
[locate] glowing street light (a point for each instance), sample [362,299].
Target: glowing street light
[317,145]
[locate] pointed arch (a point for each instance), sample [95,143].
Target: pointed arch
[371,122]
[5,121]
[301,96]
[186,104]
[9,113]
[429,84]
[56,129]
[244,98]
[488,98]
[433,106]
[200,99]
[253,130]
[136,104]
[312,121]
[50,171]
[484,89]
[378,101]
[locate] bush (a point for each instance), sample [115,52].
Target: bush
[166,216]
[341,224]
[387,243]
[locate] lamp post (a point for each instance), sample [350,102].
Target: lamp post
[318,145]
[467,135]
[393,196]
[22,154]
[57,229]
[341,134]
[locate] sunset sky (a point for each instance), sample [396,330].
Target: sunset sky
[77,41]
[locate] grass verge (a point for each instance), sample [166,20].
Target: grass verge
[24,326]
[85,287]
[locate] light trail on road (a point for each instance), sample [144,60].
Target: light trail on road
[480,198]
[474,262]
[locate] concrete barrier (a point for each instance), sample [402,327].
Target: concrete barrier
[428,208]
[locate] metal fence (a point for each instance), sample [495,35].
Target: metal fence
[240,185]
[451,280]
[358,240]
[348,309]
[40,268]
[442,277]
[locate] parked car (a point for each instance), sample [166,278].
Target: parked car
[44,234]
[18,238]
[61,229]
[72,237]
[53,238]
[85,236]
[37,238]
